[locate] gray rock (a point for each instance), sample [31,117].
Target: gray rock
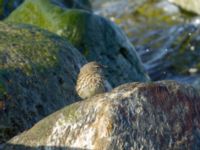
[96,38]
[170,53]
[110,8]
[162,115]
[168,7]
[38,71]
[192,5]
[101,40]
[7,6]
[196,84]
[167,45]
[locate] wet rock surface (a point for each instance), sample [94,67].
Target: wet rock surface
[165,37]
[161,115]
[39,69]
[96,38]
[171,53]
[192,5]
[38,72]
[115,8]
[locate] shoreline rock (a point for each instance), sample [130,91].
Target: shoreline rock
[161,115]
[97,38]
[38,72]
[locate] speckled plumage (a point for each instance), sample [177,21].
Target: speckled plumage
[90,80]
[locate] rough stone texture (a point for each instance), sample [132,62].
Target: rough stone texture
[97,38]
[190,5]
[170,52]
[38,73]
[162,115]
[7,6]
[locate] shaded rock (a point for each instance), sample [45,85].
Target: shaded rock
[172,53]
[168,51]
[97,38]
[24,147]
[162,115]
[7,6]
[167,45]
[78,4]
[38,71]
[192,5]
[196,84]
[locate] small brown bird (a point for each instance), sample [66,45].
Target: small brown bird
[90,80]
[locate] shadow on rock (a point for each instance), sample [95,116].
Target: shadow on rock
[23,147]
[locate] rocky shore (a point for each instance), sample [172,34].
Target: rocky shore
[43,45]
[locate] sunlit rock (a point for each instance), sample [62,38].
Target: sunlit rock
[162,115]
[190,5]
[168,7]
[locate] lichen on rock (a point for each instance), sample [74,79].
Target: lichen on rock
[96,38]
[7,6]
[38,72]
[161,115]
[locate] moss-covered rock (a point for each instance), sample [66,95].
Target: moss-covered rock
[38,72]
[7,6]
[161,115]
[97,38]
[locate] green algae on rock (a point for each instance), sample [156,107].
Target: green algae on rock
[95,37]
[7,6]
[38,72]
[160,115]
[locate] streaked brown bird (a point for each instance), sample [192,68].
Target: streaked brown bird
[90,80]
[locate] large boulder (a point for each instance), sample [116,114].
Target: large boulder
[167,40]
[7,6]
[192,5]
[38,71]
[110,8]
[95,37]
[162,115]
[172,53]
